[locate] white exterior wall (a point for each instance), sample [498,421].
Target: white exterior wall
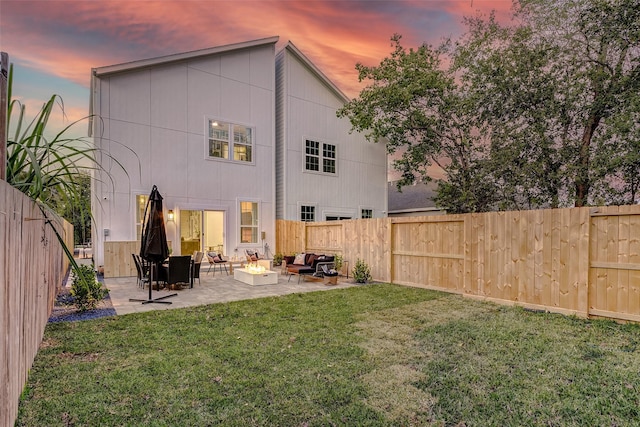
[160,114]
[308,107]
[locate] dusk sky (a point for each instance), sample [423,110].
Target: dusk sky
[54,44]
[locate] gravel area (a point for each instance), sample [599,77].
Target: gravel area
[65,311]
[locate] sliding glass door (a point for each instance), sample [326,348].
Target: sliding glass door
[201,230]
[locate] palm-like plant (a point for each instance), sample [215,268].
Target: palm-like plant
[48,169]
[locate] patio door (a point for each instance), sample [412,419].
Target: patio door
[201,230]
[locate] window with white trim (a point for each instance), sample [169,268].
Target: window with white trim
[249,222]
[366,213]
[319,157]
[141,203]
[230,141]
[307,213]
[336,217]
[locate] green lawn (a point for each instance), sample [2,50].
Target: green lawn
[376,355]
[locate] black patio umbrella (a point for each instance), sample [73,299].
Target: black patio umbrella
[154,247]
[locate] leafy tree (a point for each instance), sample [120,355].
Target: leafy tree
[555,79]
[527,115]
[619,153]
[417,108]
[77,210]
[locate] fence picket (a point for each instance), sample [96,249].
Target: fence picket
[32,267]
[573,260]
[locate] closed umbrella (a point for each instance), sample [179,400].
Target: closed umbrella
[153,246]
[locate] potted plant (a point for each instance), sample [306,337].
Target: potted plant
[338,261]
[277,259]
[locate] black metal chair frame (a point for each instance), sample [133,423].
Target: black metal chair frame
[143,273]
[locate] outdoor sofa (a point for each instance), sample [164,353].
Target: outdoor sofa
[308,264]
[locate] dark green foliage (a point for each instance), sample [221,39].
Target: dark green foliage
[361,271]
[86,289]
[52,168]
[277,259]
[539,112]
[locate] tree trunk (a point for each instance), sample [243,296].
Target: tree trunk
[582,181]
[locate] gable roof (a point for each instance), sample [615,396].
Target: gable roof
[144,63]
[290,47]
[167,59]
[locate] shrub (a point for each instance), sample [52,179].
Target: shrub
[86,289]
[277,259]
[361,271]
[338,260]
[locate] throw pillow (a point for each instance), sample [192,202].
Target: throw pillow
[254,258]
[216,259]
[311,259]
[299,259]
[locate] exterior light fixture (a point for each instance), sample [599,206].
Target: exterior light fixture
[170,215]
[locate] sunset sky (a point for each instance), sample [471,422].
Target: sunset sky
[54,44]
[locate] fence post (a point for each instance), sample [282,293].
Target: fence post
[4,76]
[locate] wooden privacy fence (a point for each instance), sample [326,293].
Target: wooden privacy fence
[583,261]
[32,268]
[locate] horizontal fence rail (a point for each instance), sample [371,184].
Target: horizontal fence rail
[582,261]
[32,268]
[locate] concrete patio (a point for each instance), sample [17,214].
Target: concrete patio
[212,288]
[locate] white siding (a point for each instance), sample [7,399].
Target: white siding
[152,118]
[160,114]
[310,106]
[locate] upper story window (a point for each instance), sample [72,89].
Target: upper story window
[230,141]
[366,213]
[319,157]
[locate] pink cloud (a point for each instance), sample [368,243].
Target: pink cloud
[67,39]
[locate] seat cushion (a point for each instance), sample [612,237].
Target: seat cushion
[300,269]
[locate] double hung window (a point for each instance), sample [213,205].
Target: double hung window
[248,222]
[319,157]
[230,141]
[307,213]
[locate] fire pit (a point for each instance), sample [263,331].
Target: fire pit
[254,275]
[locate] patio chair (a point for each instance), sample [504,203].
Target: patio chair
[216,260]
[143,276]
[195,266]
[179,270]
[252,256]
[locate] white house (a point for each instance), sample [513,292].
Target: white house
[213,129]
[323,172]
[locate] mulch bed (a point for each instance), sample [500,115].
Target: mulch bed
[65,311]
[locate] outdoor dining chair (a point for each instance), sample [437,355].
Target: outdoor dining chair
[195,266]
[179,270]
[143,276]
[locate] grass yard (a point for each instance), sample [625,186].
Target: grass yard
[376,355]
